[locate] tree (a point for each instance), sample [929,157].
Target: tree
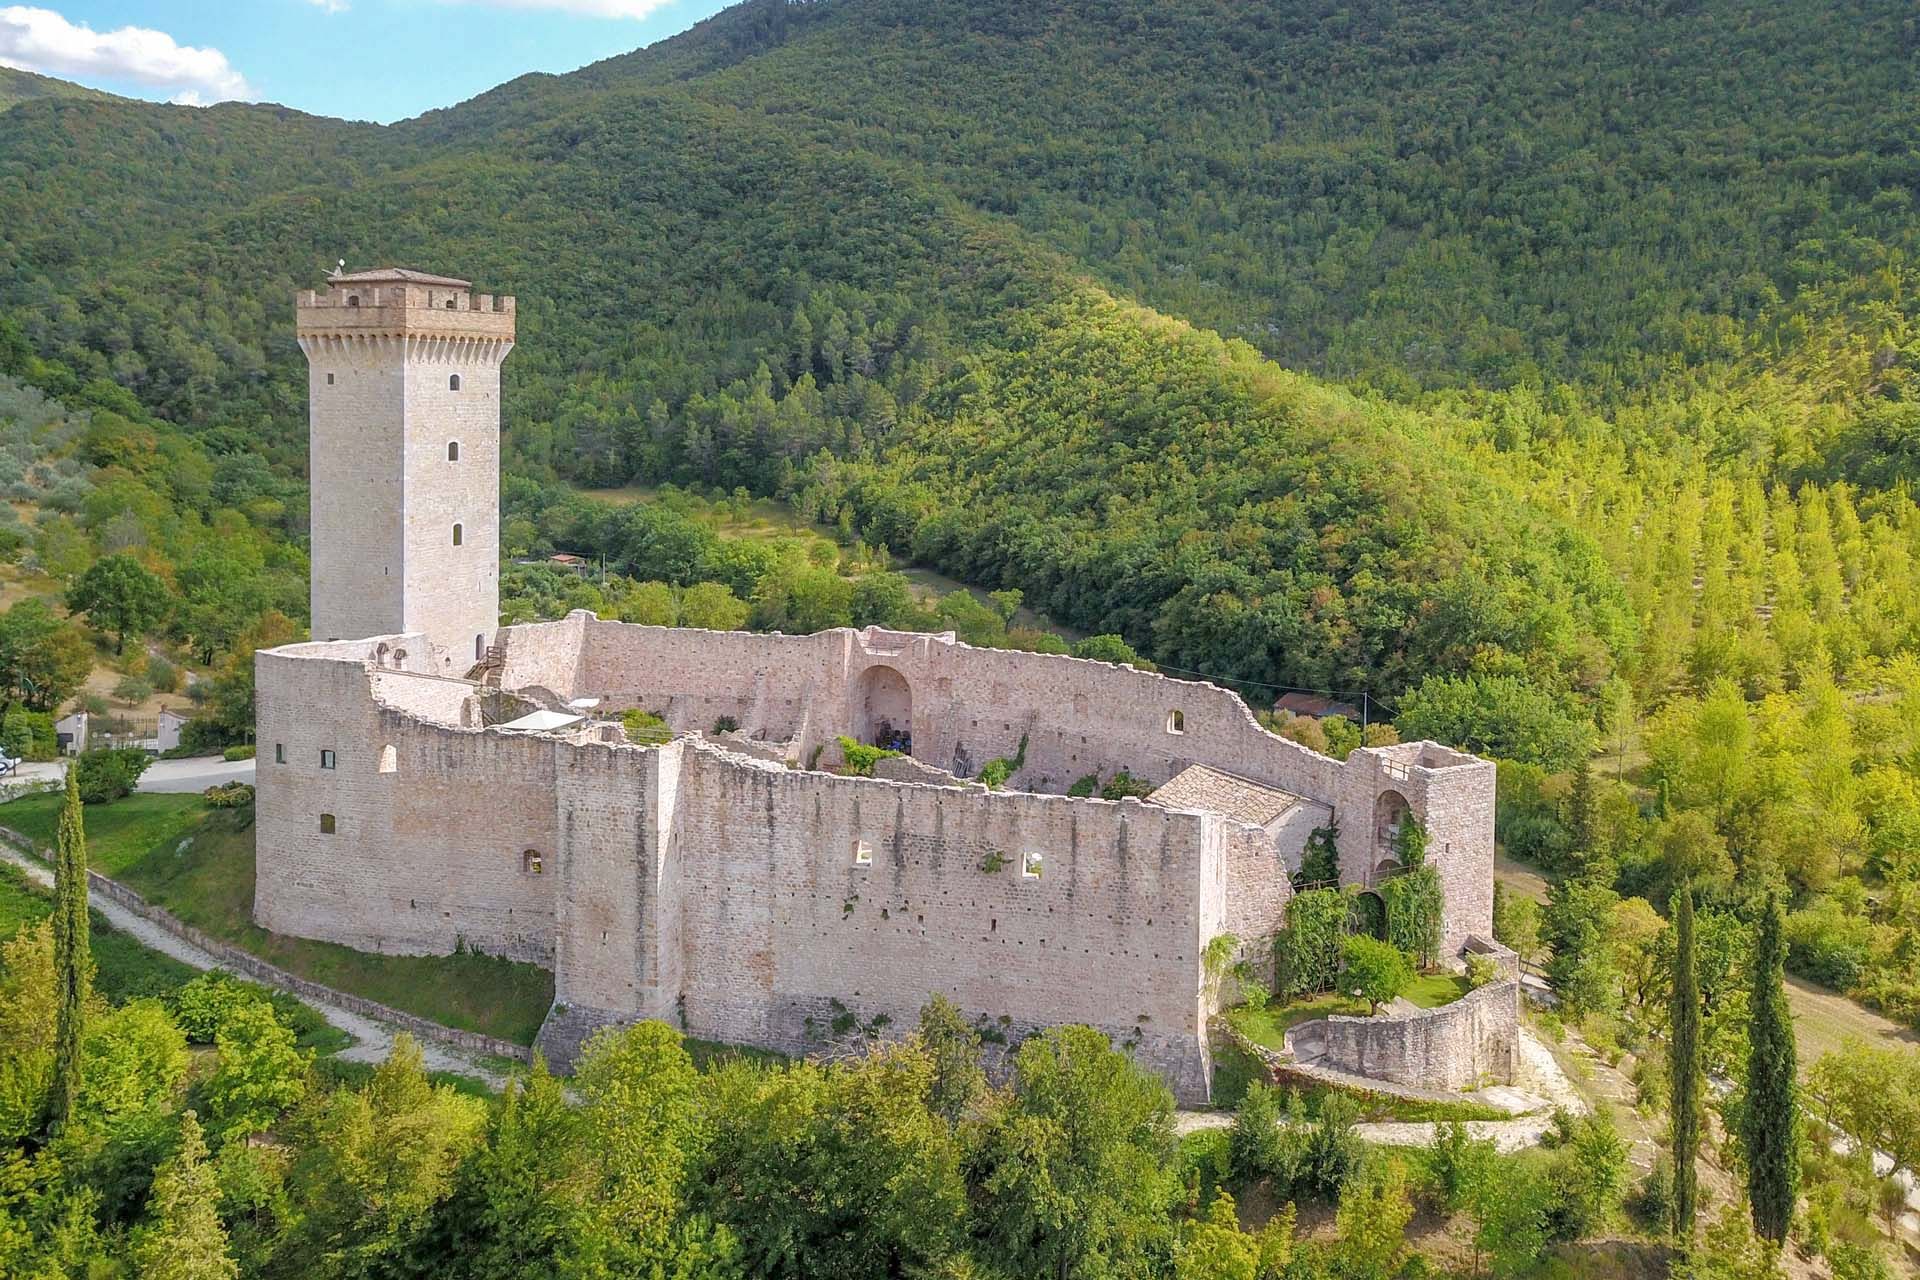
[1516,922]
[1372,1221]
[119,594]
[711,606]
[72,957]
[1376,971]
[1684,1063]
[1873,1095]
[1077,1170]
[183,1238]
[230,697]
[1110,648]
[959,1081]
[1770,1114]
[261,1074]
[1579,910]
[1582,812]
[43,659]
[1498,715]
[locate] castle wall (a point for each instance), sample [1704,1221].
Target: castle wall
[1457,1046]
[424,855]
[778,921]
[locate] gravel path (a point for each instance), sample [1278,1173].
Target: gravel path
[373,1039]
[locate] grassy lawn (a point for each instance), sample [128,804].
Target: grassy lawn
[1431,990]
[1269,1026]
[197,862]
[118,835]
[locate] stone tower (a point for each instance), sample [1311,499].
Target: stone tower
[403,395]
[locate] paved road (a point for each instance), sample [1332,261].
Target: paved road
[195,774]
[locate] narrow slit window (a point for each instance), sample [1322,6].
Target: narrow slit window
[453,451]
[326,758]
[456,535]
[326,824]
[279,753]
[453,382]
[329,379]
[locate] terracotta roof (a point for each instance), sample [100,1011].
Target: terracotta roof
[398,275]
[1313,704]
[1198,787]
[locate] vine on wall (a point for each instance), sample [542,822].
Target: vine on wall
[1307,952]
[1414,903]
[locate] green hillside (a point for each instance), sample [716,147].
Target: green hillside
[21,86]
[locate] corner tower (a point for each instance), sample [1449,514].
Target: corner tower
[403,403]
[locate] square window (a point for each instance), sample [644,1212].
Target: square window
[326,759]
[326,824]
[279,753]
[862,854]
[1030,864]
[1176,722]
[532,863]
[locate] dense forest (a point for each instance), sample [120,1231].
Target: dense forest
[1548,371]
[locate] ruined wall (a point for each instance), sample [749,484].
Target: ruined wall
[1255,886]
[547,654]
[429,838]
[780,921]
[1457,1046]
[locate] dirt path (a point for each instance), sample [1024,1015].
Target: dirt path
[373,1039]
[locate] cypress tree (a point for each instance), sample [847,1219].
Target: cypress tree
[72,959]
[1770,1121]
[1582,824]
[1685,1017]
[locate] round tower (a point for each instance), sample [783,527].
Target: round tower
[403,403]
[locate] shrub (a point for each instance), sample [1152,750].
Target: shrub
[725,724]
[1124,784]
[108,774]
[28,735]
[201,736]
[243,752]
[203,1004]
[644,726]
[1481,970]
[1828,945]
[1259,1145]
[132,690]
[163,675]
[1084,786]
[229,795]
[860,758]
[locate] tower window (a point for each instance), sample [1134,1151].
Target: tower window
[1176,722]
[1030,865]
[456,535]
[326,824]
[326,759]
[389,759]
[279,753]
[329,379]
[353,299]
[453,382]
[862,854]
[531,863]
[480,647]
[453,451]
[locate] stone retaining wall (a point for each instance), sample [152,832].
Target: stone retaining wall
[253,968]
[1456,1046]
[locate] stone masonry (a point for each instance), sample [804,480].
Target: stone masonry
[729,881]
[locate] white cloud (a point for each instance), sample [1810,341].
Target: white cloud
[41,40]
[588,8]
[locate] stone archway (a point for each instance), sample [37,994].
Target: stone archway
[882,707]
[1389,811]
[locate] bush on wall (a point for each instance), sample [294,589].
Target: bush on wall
[1307,952]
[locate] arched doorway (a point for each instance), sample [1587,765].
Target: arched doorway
[1389,811]
[1367,915]
[883,709]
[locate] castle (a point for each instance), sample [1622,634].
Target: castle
[429,779]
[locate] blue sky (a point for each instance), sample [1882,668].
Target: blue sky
[361,59]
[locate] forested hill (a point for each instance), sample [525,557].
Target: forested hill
[860,253]
[20,86]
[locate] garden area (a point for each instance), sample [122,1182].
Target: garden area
[197,861]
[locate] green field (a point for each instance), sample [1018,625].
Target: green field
[197,862]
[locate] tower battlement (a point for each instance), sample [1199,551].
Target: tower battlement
[396,302]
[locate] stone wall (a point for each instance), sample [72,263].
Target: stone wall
[1457,1046]
[432,824]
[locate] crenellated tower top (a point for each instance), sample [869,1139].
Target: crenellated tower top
[393,302]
